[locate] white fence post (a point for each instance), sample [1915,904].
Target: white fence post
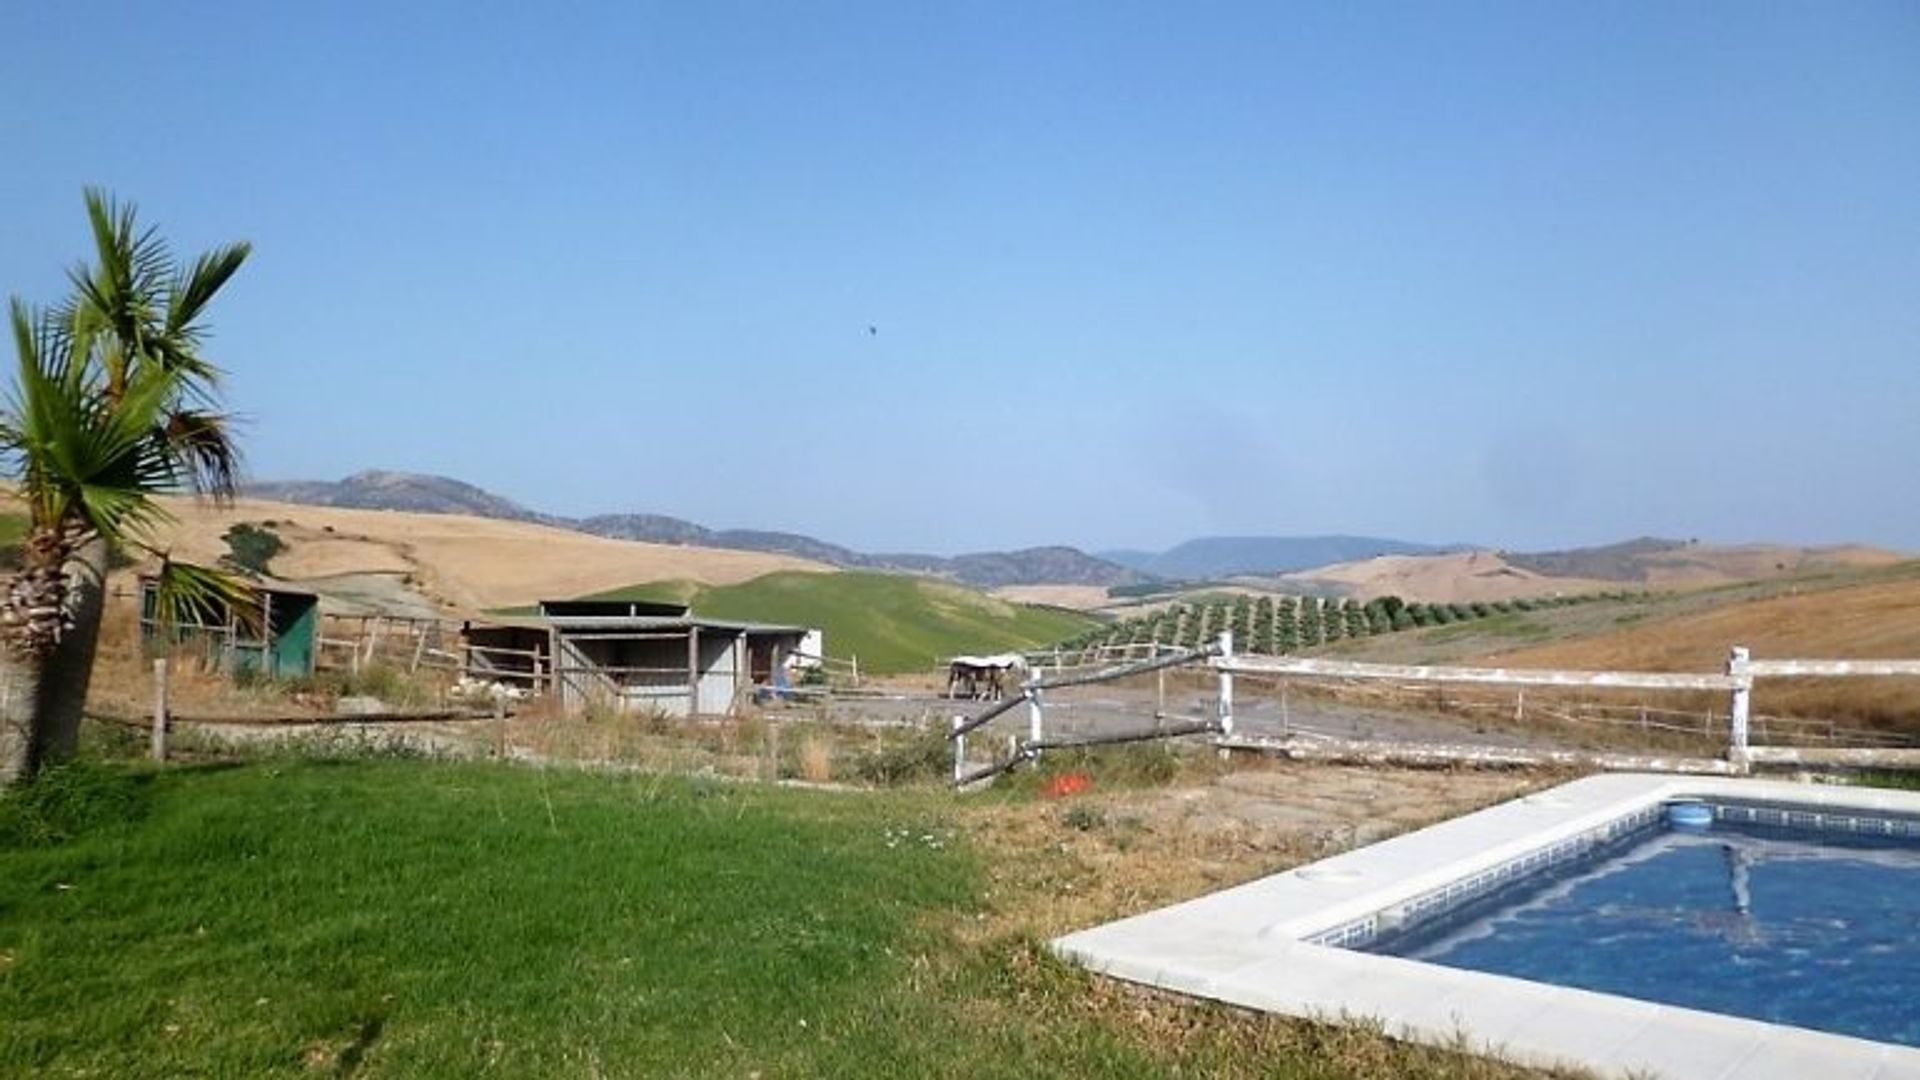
[1036,717]
[959,749]
[1226,684]
[1737,669]
[160,709]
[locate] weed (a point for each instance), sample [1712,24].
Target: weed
[67,801]
[924,755]
[1082,817]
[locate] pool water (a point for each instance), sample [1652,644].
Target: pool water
[1816,930]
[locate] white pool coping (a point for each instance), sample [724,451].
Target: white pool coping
[1246,946]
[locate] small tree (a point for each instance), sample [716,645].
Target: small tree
[112,405]
[250,547]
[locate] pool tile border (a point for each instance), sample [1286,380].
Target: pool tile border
[1271,944]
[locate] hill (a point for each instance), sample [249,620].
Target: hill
[378,489]
[1666,564]
[1878,619]
[415,492]
[1653,561]
[893,623]
[1229,556]
[455,561]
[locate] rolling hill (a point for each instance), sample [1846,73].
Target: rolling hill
[1658,564]
[1229,556]
[893,623]
[1876,619]
[454,561]
[420,493]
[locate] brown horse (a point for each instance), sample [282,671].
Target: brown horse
[982,678]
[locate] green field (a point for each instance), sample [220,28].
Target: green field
[894,623]
[393,918]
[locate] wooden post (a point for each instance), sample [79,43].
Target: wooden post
[959,749]
[693,671]
[419,646]
[856,668]
[499,726]
[160,709]
[1737,662]
[1520,705]
[1160,708]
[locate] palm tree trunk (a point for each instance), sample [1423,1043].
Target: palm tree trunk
[20,752]
[62,691]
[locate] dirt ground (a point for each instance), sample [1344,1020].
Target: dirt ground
[1259,710]
[1106,854]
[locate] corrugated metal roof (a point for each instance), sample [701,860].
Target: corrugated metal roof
[649,622]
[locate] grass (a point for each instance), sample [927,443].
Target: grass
[403,919]
[1512,627]
[893,622]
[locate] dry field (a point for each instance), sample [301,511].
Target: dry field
[1880,620]
[1074,597]
[1459,578]
[465,564]
[1487,576]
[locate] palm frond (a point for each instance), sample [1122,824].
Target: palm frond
[202,443]
[191,291]
[186,593]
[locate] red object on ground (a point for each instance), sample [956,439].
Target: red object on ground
[1065,784]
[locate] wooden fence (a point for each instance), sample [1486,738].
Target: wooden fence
[1736,681]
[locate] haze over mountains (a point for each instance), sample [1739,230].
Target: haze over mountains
[377,489]
[1337,564]
[1227,556]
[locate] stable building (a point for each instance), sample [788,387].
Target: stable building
[272,635]
[635,655]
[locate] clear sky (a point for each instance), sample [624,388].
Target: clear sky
[1529,275]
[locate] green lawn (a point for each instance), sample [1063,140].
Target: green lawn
[893,622]
[405,919]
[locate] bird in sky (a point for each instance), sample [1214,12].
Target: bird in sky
[873,331]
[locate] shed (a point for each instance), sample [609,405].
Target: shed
[639,655]
[276,638]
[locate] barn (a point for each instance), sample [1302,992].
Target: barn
[637,655]
[274,636]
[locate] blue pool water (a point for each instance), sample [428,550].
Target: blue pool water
[1817,930]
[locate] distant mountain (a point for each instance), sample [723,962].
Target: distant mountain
[1624,561]
[385,490]
[377,489]
[1226,556]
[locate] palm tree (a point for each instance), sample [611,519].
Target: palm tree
[113,405]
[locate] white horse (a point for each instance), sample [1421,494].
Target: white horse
[982,677]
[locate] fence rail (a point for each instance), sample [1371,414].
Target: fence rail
[1737,681]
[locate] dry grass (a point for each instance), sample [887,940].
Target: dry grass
[467,563]
[1485,575]
[1880,620]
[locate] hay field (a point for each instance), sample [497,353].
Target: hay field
[1876,620]
[466,564]
[1468,576]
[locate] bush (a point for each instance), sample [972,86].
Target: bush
[251,548]
[924,755]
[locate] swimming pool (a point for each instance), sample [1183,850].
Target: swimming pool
[1791,925]
[1450,934]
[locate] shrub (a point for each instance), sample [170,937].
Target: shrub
[251,548]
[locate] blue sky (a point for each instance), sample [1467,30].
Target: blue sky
[1525,274]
